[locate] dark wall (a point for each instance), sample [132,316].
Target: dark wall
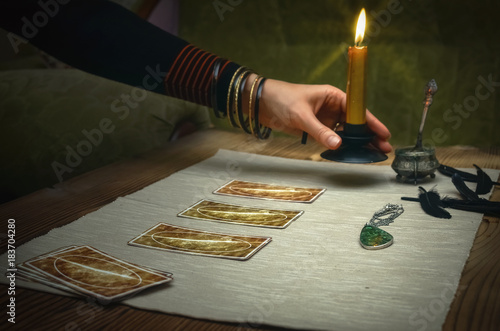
[410,42]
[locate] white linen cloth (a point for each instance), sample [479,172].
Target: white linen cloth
[313,274]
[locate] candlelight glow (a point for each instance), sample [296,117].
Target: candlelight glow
[360,27]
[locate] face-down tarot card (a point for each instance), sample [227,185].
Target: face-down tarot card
[230,213]
[178,239]
[241,188]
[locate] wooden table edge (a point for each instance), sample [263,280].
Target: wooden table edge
[199,146]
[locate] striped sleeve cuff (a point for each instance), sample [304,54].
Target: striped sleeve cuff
[190,77]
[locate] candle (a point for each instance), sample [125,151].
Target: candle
[356,76]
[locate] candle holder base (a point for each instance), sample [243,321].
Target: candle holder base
[355,147]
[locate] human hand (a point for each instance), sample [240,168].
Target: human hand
[315,109]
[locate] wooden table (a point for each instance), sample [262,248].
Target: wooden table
[475,307]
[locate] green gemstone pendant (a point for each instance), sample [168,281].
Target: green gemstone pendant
[372,237]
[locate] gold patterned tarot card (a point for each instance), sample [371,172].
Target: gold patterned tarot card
[222,212]
[26,270]
[94,273]
[241,188]
[174,238]
[34,277]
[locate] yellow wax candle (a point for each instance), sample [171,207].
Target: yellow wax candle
[356,76]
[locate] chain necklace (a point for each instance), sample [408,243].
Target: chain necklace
[371,236]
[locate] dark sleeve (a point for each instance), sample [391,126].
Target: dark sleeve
[105,39]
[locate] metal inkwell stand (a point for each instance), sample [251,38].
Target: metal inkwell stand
[415,163]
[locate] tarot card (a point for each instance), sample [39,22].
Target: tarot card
[174,238]
[241,188]
[28,272]
[31,277]
[93,273]
[55,251]
[222,212]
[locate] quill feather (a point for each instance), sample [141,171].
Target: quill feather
[484,183]
[450,171]
[468,177]
[480,206]
[463,189]
[431,203]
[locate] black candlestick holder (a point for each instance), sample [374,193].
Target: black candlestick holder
[355,146]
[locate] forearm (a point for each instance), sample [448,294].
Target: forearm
[107,40]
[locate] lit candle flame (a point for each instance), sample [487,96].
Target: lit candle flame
[360,27]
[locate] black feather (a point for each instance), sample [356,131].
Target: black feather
[482,206]
[468,177]
[463,189]
[410,199]
[484,182]
[433,196]
[431,203]
[449,171]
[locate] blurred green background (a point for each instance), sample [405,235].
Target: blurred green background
[45,107]
[410,42]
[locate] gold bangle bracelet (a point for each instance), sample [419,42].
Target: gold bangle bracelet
[236,92]
[250,104]
[229,92]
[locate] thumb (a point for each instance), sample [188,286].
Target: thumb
[323,134]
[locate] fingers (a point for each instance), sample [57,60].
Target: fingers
[321,133]
[315,109]
[382,145]
[377,127]
[382,133]
[328,138]
[331,107]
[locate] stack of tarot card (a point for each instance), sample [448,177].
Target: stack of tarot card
[87,271]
